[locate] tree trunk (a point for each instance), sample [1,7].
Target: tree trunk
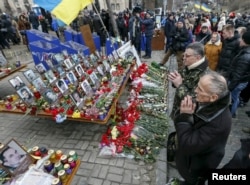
[111,16]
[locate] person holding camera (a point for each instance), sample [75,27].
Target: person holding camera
[180,38]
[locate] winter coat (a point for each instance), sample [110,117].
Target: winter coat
[202,137]
[203,37]
[190,80]
[212,52]
[180,37]
[169,26]
[149,26]
[230,48]
[240,68]
[240,159]
[135,30]
[221,23]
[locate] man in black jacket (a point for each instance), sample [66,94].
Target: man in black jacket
[239,71]
[180,37]
[230,48]
[203,129]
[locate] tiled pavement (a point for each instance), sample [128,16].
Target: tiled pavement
[84,139]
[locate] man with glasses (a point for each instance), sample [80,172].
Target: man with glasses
[186,81]
[202,129]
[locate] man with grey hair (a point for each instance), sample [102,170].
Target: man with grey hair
[203,128]
[186,81]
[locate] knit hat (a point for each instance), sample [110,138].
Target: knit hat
[246,37]
[150,13]
[204,25]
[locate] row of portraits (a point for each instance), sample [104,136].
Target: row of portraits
[49,95]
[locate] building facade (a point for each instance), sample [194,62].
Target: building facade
[15,7]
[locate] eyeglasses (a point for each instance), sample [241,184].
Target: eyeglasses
[188,55]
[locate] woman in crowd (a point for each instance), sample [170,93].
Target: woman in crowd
[213,50]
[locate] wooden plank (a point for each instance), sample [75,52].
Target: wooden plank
[70,178]
[87,37]
[13,71]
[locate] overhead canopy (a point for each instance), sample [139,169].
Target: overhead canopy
[65,10]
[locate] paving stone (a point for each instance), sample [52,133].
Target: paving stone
[84,172]
[82,181]
[113,161]
[127,177]
[103,173]
[120,162]
[116,170]
[96,170]
[130,166]
[106,182]
[95,181]
[86,156]
[101,161]
[114,177]
[93,156]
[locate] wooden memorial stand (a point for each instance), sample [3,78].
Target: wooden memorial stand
[158,40]
[12,71]
[41,113]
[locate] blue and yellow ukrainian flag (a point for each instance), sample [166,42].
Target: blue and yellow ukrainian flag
[203,6]
[65,10]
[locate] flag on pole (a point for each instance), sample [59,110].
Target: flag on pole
[203,6]
[64,10]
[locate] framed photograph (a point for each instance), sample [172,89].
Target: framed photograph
[93,58]
[75,58]
[71,77]
[68,63]
[5,174]
[26,95]
[86,63]
[49,63]
[40,68]
[77,99]
[79,70]
[50,76]
[100,69]
[94,78]
[60,70]
[49,96]
[86,87]
[115,54]
[58,58]
[62,86]
[30,75]
[106,65]
[111,58]
[15,158]
[17,82]
[39,84]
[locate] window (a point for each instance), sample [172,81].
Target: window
[113,6]
[117,6]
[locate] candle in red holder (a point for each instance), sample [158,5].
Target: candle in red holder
[9,98]
[8,105]
[37,94]
[47,109]
[33,109]
[36,151]
[82,113]
[64,159]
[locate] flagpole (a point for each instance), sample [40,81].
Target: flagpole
[104,27]
[101,20]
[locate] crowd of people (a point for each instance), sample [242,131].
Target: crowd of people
[213,70]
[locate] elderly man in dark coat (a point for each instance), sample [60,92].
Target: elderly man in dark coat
[202,129]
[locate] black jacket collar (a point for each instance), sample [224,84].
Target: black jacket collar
[209,111]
